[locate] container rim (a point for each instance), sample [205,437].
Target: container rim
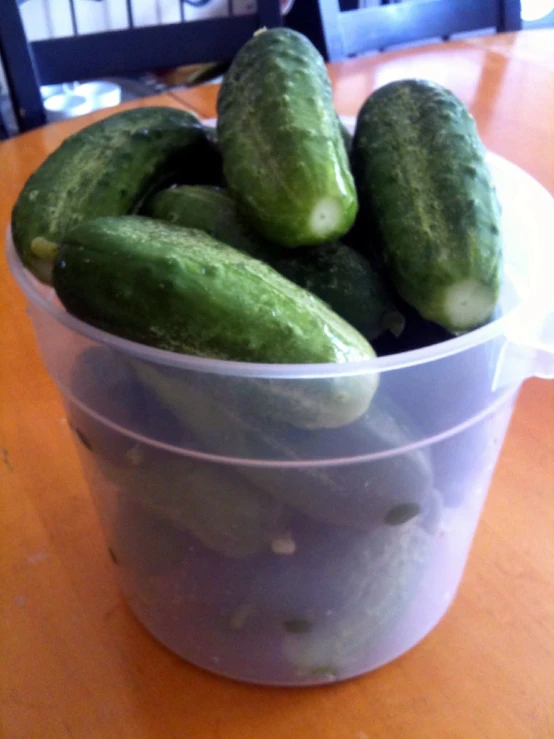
[44,301]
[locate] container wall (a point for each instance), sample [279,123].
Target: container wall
[291,420]
[284,531]
[299,529]
[289,575]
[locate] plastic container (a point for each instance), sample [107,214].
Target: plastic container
[283,555]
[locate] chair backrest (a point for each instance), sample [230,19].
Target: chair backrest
[352,32]
[28,65]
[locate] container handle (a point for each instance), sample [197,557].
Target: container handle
[529,349]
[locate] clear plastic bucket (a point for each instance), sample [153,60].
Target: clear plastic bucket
[258,545]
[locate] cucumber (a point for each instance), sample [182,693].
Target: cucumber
[170,493]
[340,594]
[335,273]
[220,509]
[141,541]
[358,495]
[284,157]
[105,169]
[212,210]
[179,289]
[372,579]
[421,172]
[361,495]
[345,280]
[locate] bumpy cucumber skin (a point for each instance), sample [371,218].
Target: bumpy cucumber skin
[345,280]
[371,578]
[361,496]
[420,170]
[105,169]
[211,210]
[179,289]
[283,152]
[176,493]
[220,509]
[334,273]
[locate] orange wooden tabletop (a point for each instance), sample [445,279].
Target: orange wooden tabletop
[74,662]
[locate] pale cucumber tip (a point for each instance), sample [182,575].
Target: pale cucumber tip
[44,249]
[40,259]
[468,304]
[325,218]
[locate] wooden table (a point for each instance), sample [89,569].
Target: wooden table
[75,663]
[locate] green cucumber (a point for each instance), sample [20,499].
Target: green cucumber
[216,506]
[284,157]
[162,493]
[345,280]
[336,598]
[226,422]
[211,210]
[421,172]
[142,541]
[179,289]
[335,273]
[362,495]
[219,508]
[106,169]
[374,579]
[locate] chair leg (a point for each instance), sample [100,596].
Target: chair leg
[3,128]
[305,17]
[19,68]
[510,16]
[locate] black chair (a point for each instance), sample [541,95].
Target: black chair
[28,65]
[3,127]
[352,32]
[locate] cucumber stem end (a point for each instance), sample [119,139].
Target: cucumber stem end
[44,249]
[325,218]
[468,304]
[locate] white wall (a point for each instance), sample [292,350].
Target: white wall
[52,18]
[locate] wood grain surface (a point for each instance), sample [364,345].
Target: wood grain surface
[74,662]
